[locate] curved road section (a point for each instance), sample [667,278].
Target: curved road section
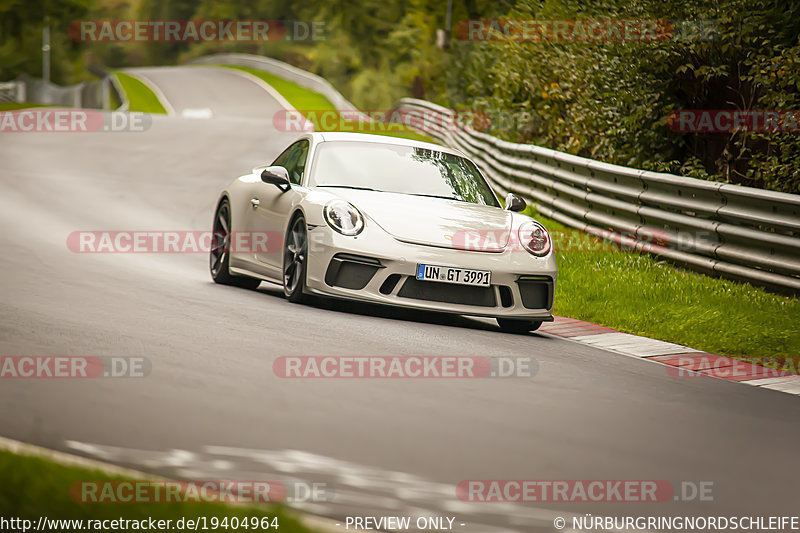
[207,92]
[211,406]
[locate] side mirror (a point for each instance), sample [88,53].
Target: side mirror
[277,176]
[514,202]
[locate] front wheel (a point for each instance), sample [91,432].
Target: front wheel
[513,325]
[295,259]
[220,257]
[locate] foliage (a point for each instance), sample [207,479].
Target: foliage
[610,100]
[21,24]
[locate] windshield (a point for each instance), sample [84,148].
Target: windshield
[400,169]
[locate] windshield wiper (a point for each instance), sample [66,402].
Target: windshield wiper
[351,187]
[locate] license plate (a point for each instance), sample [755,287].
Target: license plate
[461,276]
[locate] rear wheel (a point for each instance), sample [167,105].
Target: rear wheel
[295,258]
[220,256]
[513,325]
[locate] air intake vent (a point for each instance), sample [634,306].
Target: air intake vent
[506,299]
[448,293]
[389,284]
[536,292]
[351,271]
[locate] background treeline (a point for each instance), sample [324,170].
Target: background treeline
[607,100]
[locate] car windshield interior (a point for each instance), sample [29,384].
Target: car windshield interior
[400,169]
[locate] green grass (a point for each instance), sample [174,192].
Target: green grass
[139,95]
[314,106]
[33,487]
[640,294]
[13,106]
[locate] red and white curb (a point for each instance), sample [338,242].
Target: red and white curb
[681,361]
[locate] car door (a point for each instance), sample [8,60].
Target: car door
[270,207]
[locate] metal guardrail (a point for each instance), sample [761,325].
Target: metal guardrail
[284,70]
[12,91]
[728,230]
[94,95]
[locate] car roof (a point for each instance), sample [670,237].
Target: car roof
[381,139]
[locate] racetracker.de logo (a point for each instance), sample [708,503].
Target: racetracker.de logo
[692,366]
[388,120]
[404,367]
[586,30]
[172,242]
[73,367]
[729,120]
[139,491]
[582,490]
[394,120]
[43,120]
[191,31]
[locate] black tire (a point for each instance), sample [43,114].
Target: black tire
[219,258]
[295,257]
[513,325]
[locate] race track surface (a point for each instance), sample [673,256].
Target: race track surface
[213,408]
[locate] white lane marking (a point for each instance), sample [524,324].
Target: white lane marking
[601,339]
[305,125]
[789,388]
[654,350]
[771,381]
[202,113]
[264,85]
[632,344]
[353,485]
[644,348]
[122,94]
[156,90]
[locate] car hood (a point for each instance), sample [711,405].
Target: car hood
[434,221]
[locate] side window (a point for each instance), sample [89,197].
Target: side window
[293,159]
[296,174]
[280,161]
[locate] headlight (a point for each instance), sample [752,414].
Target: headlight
[343,217]
[535,238]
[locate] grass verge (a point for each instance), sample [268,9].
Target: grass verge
[322,113]
[13,106]
[643,295]
[34,487]
[140,96]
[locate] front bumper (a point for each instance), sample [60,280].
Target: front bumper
[375,267]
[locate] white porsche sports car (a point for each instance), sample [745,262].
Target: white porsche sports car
[389,221]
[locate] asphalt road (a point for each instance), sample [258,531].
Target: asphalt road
[213,407]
